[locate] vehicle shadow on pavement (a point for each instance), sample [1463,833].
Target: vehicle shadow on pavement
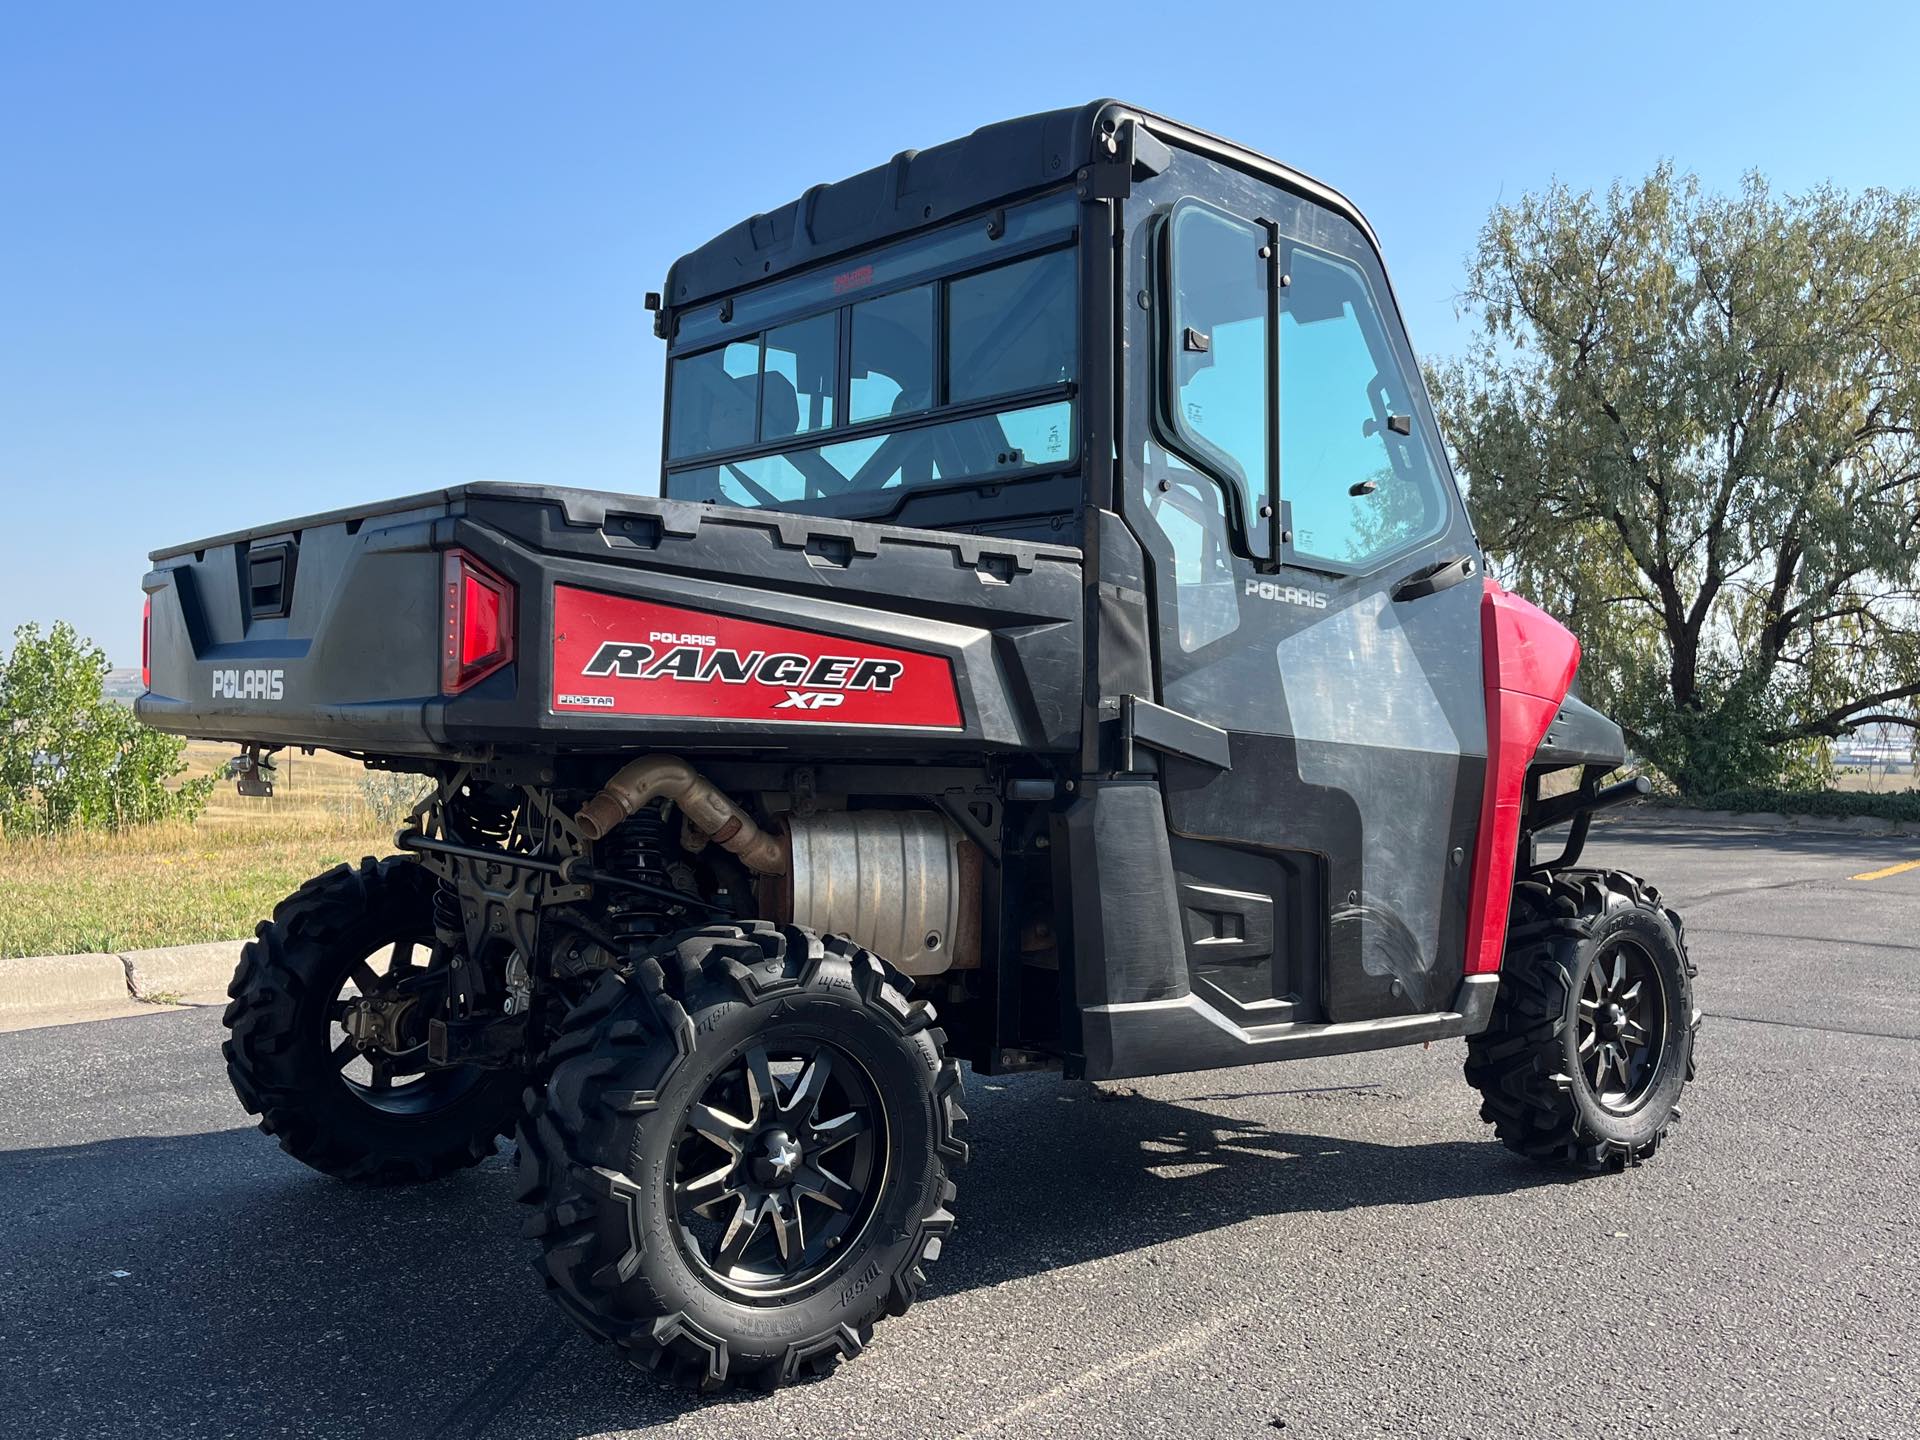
[206,1284]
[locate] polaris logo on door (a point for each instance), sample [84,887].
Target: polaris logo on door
[249,684]
[618,655]
[1288,594]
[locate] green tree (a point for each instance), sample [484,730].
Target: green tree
[1687,424]
[72,759]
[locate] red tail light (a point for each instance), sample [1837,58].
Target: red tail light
[476,628]
[146,644]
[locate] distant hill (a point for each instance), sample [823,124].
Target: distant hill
[123,686]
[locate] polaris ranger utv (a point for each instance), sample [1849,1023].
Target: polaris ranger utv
[1058,611]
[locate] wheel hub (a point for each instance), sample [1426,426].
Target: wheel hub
[373,1022]
[377,1029]
[1621,1026]
[780,1157]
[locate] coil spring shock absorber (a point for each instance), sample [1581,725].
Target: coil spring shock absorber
[483,818]
[637,848]
[477,817]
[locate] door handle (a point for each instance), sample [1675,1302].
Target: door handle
[1432,579]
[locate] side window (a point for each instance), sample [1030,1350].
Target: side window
[892,355]
[1217,345]
[1355,466]
[796,388]
[1011,329]
[715,396]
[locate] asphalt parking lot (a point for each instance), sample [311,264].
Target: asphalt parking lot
[1324,1248]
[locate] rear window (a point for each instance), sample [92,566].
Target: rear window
[892,355]
[716,396]
[1011,328]
[968,376]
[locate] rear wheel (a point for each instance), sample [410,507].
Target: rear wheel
[1591,1040]
[742,1156]
[328,1042]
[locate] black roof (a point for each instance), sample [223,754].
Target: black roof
[924,187]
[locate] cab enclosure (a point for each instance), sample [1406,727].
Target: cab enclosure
[1056,564]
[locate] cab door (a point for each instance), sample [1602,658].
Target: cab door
[1315,593]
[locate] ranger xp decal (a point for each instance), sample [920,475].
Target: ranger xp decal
[613,655]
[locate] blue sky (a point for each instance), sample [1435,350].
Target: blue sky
[262,260]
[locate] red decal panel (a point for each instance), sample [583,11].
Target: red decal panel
[1529,659]
[615,655]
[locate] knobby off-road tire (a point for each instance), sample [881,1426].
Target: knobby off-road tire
[282,1053]
[711,1038]
[1592,1035]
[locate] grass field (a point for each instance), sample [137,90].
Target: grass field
[213,880]
[1879,780]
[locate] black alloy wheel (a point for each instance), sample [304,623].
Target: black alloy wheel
[778,1165]
[1621,1025]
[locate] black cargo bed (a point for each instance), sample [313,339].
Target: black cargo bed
[326,631]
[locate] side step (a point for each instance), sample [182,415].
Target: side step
[1161,1037]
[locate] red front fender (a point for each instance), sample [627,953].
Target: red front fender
[1528,658]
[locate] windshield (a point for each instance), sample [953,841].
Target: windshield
[952,377]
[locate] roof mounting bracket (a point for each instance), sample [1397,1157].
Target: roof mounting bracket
[1132,153]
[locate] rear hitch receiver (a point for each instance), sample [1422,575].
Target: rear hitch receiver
[253,771]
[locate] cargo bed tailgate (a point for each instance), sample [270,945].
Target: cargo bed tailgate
[324,630]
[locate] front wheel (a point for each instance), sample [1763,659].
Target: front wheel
[1591,1040]
[742,1156]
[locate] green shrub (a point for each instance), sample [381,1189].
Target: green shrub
[70,759]
[390,796]
[1893,805]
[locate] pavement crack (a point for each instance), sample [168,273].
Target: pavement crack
[1812,939]
[1802,1025]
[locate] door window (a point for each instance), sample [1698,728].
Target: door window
[1355,465]
[1218,347]
[1206,601]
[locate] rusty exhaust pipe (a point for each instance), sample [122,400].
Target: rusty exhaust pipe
[638,784]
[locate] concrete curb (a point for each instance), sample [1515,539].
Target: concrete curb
[177,970]
[1765,820]
[56,982]
[67,982]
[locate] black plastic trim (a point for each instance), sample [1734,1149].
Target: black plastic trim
[1144,723]
[1158,1037]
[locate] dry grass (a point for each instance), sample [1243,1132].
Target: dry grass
[176,884]
[1877,780]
